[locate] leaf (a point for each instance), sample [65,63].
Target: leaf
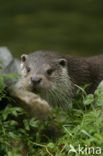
[81,88]
[99,101]
[5,115]
[26,124]
[9,153]
[12,76]
[13,123]
[13,135]
[70,107]
[85,132]
[51,145]
[88,99]
[16,110]
[34,123]
[99,91]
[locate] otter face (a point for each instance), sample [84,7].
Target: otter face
[46,73]
[42,70]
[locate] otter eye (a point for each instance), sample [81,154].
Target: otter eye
[50,71]
[28,69]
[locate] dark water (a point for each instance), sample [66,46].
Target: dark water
[68,26]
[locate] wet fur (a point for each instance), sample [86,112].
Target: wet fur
[79,71]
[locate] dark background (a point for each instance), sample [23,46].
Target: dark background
[69,26]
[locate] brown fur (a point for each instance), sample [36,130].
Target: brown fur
[59,87]
[86,71]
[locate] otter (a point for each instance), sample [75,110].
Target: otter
[54,76]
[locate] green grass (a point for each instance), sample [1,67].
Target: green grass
[80,126]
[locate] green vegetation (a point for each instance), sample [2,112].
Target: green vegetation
[81,126]
[74,27]
[68,26]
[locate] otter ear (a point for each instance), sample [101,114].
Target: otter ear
[24,57]
[63,62]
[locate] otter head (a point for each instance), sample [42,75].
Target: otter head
[46,73]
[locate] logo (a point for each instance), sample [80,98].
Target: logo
[85,150]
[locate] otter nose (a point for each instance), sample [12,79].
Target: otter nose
[36,80]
